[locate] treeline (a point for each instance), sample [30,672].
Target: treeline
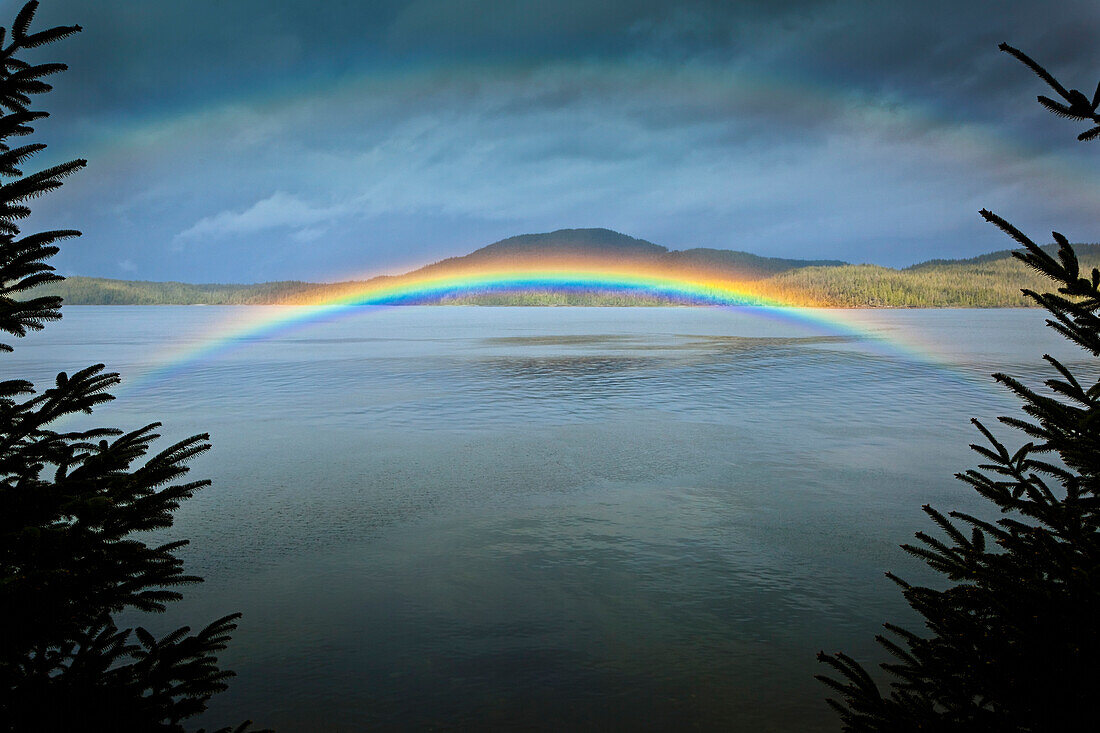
[592,298]
[989,281]
[76,290]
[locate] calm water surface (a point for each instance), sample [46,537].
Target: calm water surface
[552,518]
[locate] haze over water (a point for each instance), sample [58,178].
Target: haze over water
[552,518]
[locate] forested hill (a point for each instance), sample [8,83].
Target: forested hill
[991,280]
[601,245]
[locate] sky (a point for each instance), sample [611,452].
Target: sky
[255,140]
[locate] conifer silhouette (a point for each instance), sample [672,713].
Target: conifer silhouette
[72,501]
[1013,640]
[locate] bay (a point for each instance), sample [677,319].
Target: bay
[552,518]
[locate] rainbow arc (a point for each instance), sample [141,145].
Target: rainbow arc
[359,299]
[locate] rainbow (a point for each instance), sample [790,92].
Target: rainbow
[565,278]
[357,299]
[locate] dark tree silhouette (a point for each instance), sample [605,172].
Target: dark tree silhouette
[1014,638]
[72,503]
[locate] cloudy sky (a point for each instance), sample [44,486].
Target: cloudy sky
[295,139]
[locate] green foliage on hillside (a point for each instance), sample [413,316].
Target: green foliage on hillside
[989,281]
[77,290]
[977,283]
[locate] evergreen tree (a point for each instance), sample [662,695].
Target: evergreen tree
[1013,640]
[72,502]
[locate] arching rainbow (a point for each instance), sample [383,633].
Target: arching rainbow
[272,322]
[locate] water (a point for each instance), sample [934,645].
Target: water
[553,518]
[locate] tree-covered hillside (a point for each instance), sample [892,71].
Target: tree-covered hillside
[988,281]
[76,290]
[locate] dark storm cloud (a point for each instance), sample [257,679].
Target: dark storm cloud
[252,140]
[135,54]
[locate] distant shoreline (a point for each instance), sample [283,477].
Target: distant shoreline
[639,274]
[554,305]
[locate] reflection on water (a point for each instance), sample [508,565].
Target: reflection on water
[553,518]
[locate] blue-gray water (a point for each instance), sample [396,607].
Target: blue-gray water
[553,518]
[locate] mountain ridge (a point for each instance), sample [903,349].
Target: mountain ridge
[990,280]
[593,243]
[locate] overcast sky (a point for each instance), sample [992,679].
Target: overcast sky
[276,139]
